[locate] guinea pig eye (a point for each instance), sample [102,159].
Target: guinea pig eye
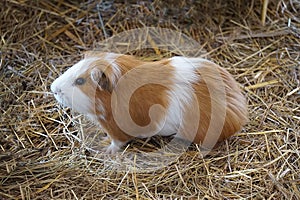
[79,81]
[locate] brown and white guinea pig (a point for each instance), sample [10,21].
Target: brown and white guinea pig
[193,98]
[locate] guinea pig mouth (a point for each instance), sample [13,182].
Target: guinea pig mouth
[62,101]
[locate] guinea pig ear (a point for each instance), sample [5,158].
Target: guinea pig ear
[100,78]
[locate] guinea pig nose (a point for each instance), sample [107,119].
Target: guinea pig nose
[55,90]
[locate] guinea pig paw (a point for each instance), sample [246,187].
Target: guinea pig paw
[112,149]
[106,138]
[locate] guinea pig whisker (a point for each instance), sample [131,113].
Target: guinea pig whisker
[39,92]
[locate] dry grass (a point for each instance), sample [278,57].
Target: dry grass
[42,155]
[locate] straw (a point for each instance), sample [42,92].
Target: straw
[49,152]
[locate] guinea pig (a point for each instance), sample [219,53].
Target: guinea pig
[193,99]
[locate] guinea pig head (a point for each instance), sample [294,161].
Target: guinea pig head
[79,87]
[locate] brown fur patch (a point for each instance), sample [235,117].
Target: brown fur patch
[236,113]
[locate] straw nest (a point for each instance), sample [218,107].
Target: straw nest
[44,153]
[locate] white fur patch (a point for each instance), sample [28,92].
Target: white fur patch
[67,93]
[181,92]
[186,68]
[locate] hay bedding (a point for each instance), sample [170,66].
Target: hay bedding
[41,153]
